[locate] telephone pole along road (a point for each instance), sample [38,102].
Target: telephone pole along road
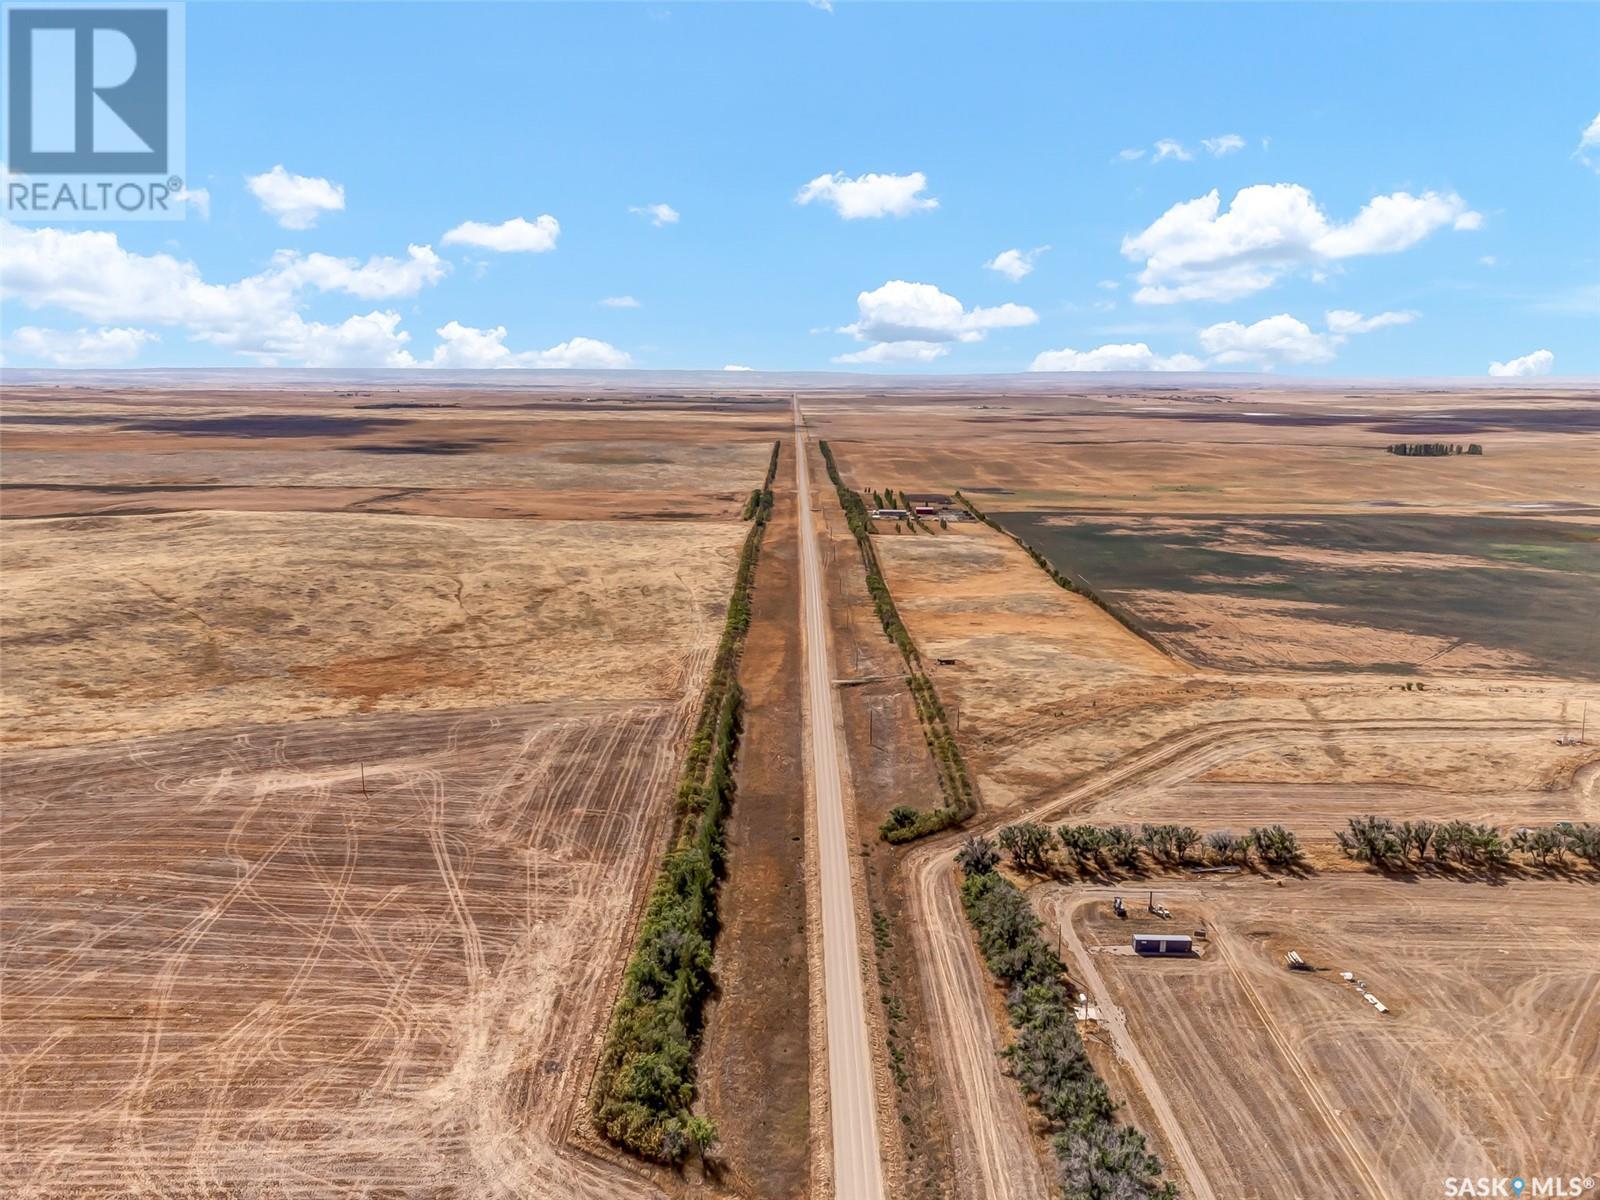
[857,1166]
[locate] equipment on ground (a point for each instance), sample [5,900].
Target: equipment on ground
[1295,962]
[1162,944]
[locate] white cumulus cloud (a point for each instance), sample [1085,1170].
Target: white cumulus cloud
[376,279]
[516,236]
[1167,148]
[88,273]
[620,302]
[462,346]
[870,195]
[1196,251]
[373,339]
[1540,362]
[78,347]
[1272,340]
[1287,340]
[659,214]
[736,366]
[295,200]
[1135,356]
[919,312]
[1014,264]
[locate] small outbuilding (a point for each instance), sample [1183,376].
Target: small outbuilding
[1163,944]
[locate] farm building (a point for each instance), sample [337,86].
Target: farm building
[890,514]
[1162,943]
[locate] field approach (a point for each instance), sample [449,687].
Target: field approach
[538,784]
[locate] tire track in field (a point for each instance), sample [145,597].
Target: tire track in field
[333,1083]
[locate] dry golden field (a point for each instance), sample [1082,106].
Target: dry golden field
[1484,1062]
[339,744]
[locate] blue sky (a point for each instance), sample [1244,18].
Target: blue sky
[1417,171]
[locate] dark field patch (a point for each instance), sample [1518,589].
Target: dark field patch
[59,419]
[1577,419]
[115,489]
[264,425]
[434,446]
[1537,594]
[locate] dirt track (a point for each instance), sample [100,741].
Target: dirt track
[857,1162]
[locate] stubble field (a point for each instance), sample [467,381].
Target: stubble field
[338,754]
[1484,1062]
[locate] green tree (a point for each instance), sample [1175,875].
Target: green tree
[1026,842]
[1122,846]
[1583,839]
[1184,839]
[1540,844]
[701,1133]
[977,856]
[1275,845]
[1417,835]
[1225,846]
[1082,842]
[1376,840]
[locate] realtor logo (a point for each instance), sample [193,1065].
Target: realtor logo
[93,91]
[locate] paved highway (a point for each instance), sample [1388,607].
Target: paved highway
[857,1165]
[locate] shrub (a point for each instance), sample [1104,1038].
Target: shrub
[1276,846]
[1225,846]
[1376,840]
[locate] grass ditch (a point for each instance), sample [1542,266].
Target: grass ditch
[1097,1156]
[1076,586]
[644,1088]
[904,823]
